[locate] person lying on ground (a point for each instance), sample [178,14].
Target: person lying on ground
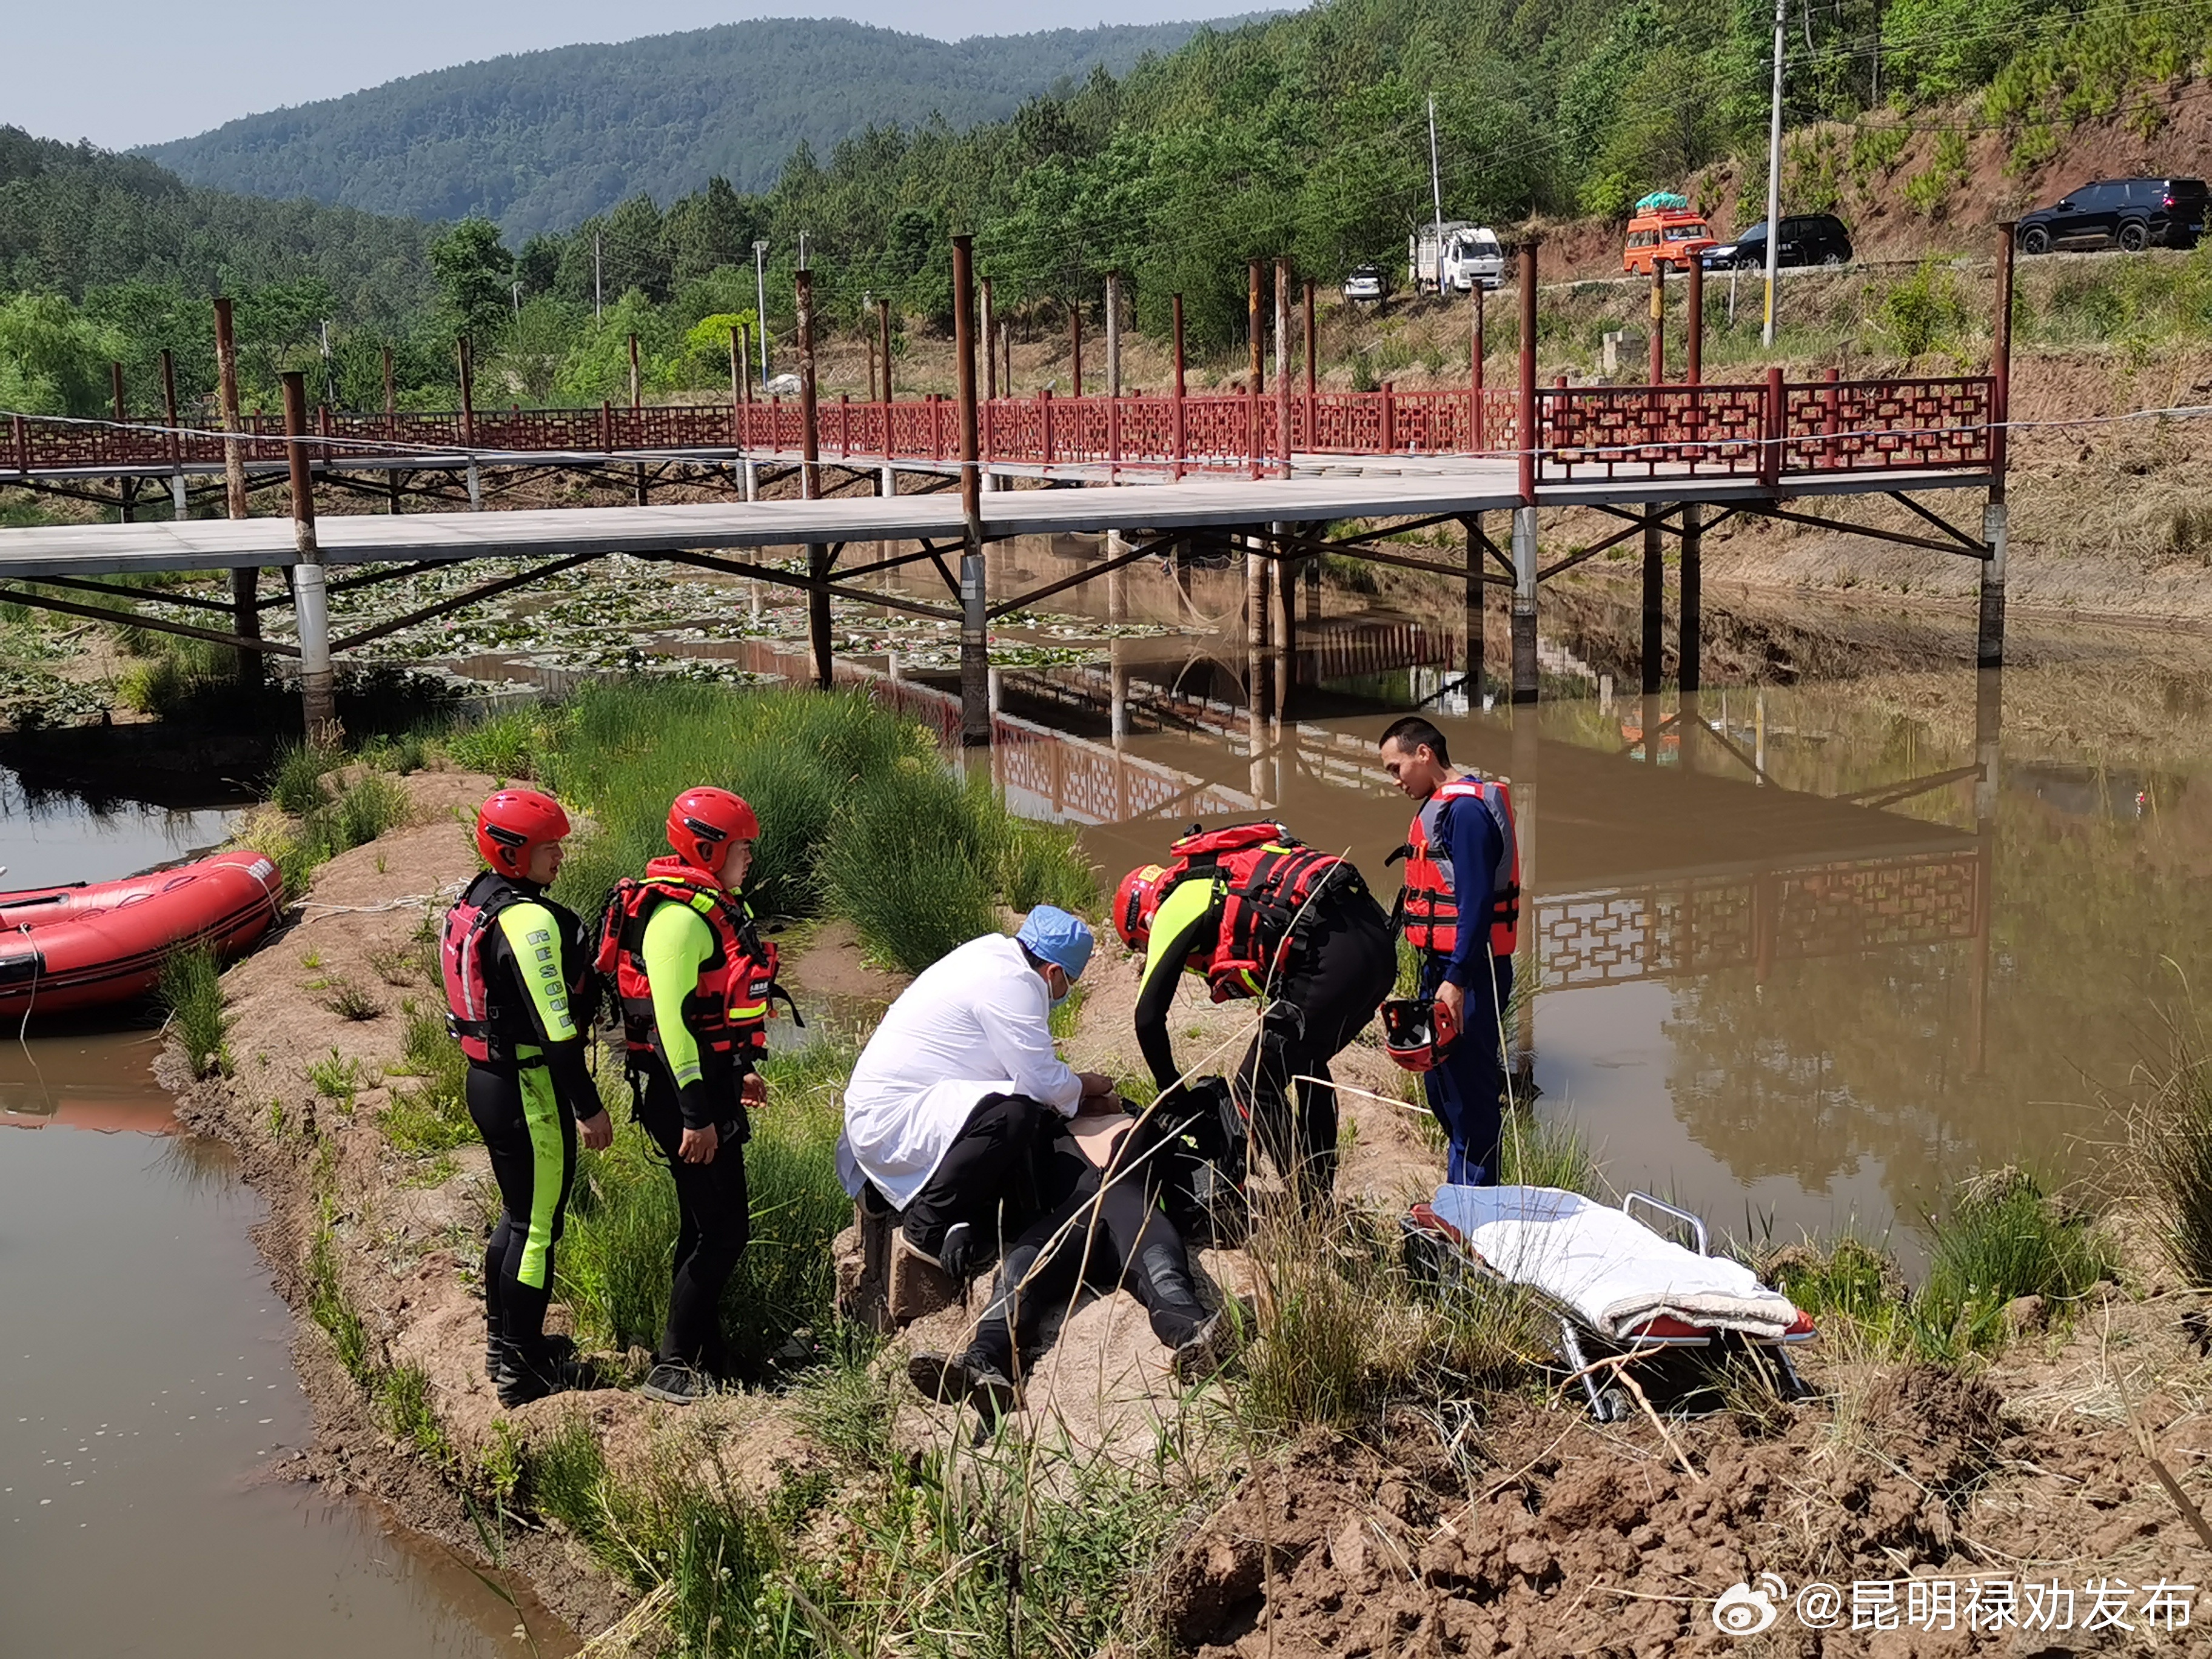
[693,979]
[946,1106]
[1100,1179]
[516,975]
[1259,913]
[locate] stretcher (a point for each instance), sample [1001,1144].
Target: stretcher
[1615,1285]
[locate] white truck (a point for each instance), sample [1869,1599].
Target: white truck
[1453,257]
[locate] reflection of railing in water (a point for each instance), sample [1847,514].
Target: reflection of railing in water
[1712,922]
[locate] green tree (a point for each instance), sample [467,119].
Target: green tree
[474,274]
[53,359]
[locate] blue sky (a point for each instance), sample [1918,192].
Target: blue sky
[123,72]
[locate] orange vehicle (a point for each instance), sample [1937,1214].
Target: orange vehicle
[1664,231]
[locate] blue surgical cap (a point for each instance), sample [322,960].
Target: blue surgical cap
[1053,935]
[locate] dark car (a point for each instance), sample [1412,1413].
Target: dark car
[2130,213]
[1808,238]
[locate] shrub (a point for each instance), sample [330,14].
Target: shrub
[296,785]
[1923,312]
[371,805]
[191,991]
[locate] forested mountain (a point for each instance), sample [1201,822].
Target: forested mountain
[543,139]
[73,218]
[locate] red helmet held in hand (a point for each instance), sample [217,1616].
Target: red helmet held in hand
[704,822]
[514,824]
[1134,902]
[1418,1032]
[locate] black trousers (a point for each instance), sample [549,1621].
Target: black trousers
[987,1176]
[715,1215]
[1127,1242]
[1336,980]
[532,1144]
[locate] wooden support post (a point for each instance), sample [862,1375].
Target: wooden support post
[1690,621]
[310,607]
[1113,376]
[1526,439]
[1654,602]
[1778,425]
[1181,432]
[1075,349]
[1478,348]
[1255,382]
[883,347]
[1283,366]
[466,368]
[1658,324]
[245,582]
[126,488]
[974,642]
[1989,642]
[737,388]
[1313,361]
[1471,607]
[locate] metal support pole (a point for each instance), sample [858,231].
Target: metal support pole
[1988,643]
[1075,349]
[1313,360]
[1658,339]
[1478,348]
[1525,604]
[126,490]
[310,608]
[1181,430]
[1654,602]
[991,388]
[245,583]
[975,644]
[1471,609]
[810,482]
[175,444]
[468,392]
[1690,622]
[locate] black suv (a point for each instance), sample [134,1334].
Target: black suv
[2132,214]
[1808,238]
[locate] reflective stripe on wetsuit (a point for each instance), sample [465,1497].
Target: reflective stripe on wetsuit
[678,943]
[533,944]
[1179,927]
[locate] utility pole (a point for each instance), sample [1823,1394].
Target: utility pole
[760,291]
[1774,178]
[1436,201]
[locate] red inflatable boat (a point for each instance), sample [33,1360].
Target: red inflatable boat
[65,948]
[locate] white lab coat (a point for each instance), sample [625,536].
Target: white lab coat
[976,1024]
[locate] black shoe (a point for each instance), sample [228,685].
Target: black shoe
[677,1383]
[962,1379]
[1204,1352]
[519,1381]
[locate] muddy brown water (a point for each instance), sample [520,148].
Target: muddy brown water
[147,1393]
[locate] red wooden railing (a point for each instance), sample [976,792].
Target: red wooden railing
[1583,433]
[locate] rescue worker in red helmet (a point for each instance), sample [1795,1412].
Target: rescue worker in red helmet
[1260,914]
[695,980]
[519,987]
[1460,910]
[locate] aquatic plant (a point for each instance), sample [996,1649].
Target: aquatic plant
[191,991]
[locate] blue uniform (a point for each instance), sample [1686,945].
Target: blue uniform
[1467,1088]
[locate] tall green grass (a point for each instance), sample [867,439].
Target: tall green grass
[861,817]
[2170,1138]
[191,991]
[321,822]
[615,1260]
[2003,1238]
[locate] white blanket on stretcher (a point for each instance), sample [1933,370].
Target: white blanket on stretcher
[1613,1272]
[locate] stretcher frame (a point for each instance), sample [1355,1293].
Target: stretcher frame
[1435,1248]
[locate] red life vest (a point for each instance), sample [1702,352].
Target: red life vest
[726,1011]
[1429,904]
[1270,883]
[488,1030]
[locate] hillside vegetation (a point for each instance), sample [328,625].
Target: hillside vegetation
[543,139]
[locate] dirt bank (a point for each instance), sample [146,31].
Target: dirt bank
[1497,1520]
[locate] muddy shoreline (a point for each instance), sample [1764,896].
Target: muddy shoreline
[1516,1526]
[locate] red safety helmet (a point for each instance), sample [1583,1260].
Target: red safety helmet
[1134,902]
[1417,1031]
[512,825]
[703,823]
